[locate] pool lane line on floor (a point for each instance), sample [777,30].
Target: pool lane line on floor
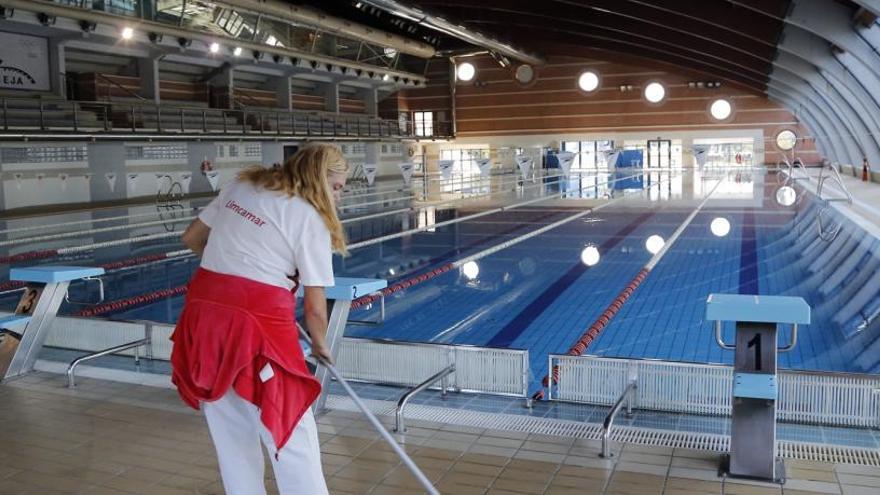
[555,195]
[365,300]
[527,316]
[49,253]
[593,331]
[748,264]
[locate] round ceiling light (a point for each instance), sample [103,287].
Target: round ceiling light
[524,74]
[465,71]
[721,109]
[655,92]
[588,81]
[786,140]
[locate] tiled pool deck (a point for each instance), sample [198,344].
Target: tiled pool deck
[114,438]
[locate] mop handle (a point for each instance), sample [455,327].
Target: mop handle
[410,464]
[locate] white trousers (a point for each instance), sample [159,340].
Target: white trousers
[237,431]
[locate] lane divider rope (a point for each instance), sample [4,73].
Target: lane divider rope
[596,328]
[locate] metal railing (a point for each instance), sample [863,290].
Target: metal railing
[625,397]
[477,369]
[146,342]
[837,399]
[828,171]
[29,115]
[115,84]
[442,375]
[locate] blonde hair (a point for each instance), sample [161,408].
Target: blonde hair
[305,175]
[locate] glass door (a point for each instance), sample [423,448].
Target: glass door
[659,153]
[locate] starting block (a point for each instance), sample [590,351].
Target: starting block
[25,332]
[339,298]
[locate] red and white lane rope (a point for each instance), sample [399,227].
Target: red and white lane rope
[593,331]
[116,266]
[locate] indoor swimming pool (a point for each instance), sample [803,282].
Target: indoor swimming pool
[545,291]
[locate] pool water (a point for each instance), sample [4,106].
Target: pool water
[539,295]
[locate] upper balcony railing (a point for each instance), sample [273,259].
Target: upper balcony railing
[27,116]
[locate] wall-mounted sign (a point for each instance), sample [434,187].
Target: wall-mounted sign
[24,62]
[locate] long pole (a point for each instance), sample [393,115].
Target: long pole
[407,460]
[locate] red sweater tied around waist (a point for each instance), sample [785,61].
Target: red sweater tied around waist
[232,329]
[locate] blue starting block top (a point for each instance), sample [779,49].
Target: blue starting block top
[755,386]
[349,289]
[53,274]
[761,309]
[12,321]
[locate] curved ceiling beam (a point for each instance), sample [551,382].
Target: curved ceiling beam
[688,40]
[814,50]
[615,44]
[817,130]
[839,132]
[646,12]
[840,112]
[833,22]
[503,17]
[867,79]
[862,134]
[872,6]
[871,35]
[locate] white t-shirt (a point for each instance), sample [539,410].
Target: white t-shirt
[265,236]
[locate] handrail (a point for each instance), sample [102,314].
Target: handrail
[98,75]
[399,427]
[609,419]
[835,175]
[830,234]
[338,125]
[71,369]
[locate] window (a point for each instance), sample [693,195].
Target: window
[423,123]
[157,152]
[589,155]
[728,152]
[253,150]
[45,154]
[465,167]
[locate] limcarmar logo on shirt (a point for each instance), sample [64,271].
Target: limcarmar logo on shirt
[232,205]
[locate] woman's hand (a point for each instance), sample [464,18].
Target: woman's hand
[322,350]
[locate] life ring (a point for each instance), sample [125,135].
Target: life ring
[206,166]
